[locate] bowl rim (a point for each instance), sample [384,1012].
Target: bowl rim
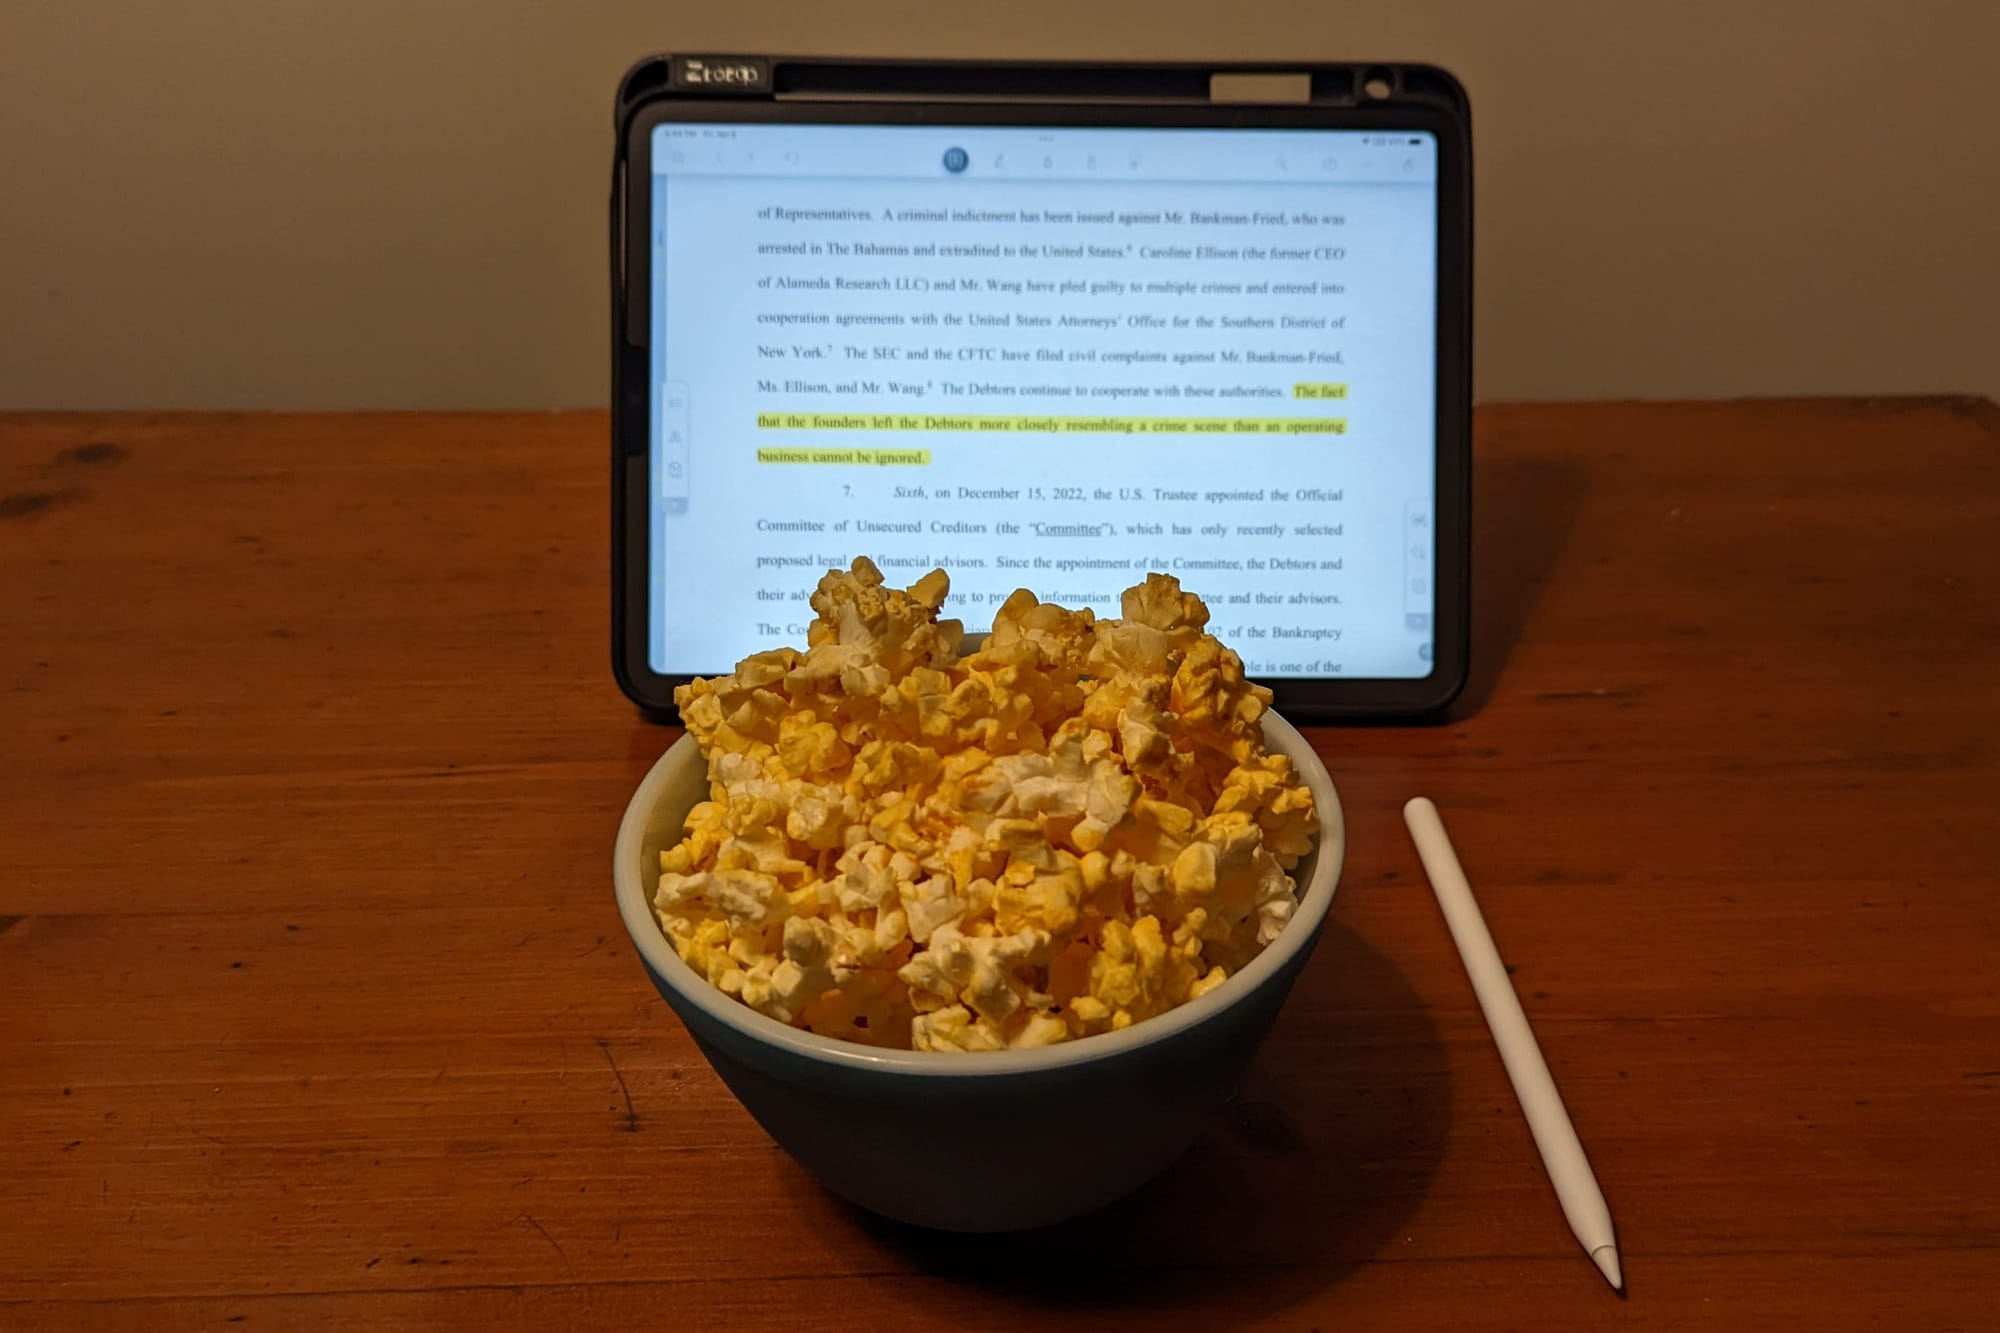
[1315,900]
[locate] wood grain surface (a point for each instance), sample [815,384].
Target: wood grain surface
[315,1011]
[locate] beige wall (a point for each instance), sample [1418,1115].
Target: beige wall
[398,203]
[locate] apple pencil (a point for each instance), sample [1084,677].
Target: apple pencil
[1582,1201]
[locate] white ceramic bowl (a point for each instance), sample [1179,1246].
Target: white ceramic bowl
[1031,1137]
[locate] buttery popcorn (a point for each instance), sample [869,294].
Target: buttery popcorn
[1071,829]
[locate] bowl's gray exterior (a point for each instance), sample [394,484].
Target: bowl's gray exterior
[1043,1144]
[1000,1152]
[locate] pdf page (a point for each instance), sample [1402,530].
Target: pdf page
[1055,381]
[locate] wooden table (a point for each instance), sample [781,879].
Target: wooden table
[315,1012]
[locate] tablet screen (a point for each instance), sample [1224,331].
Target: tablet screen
[1047,358]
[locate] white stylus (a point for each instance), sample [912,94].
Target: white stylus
[1582,1201]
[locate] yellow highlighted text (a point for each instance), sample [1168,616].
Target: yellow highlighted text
[1024,425]
[837,457]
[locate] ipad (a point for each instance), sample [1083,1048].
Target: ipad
[1047,327]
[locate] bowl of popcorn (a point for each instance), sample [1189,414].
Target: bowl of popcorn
[981,932]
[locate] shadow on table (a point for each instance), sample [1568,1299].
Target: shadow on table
[1312,1169]
[1522,513]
